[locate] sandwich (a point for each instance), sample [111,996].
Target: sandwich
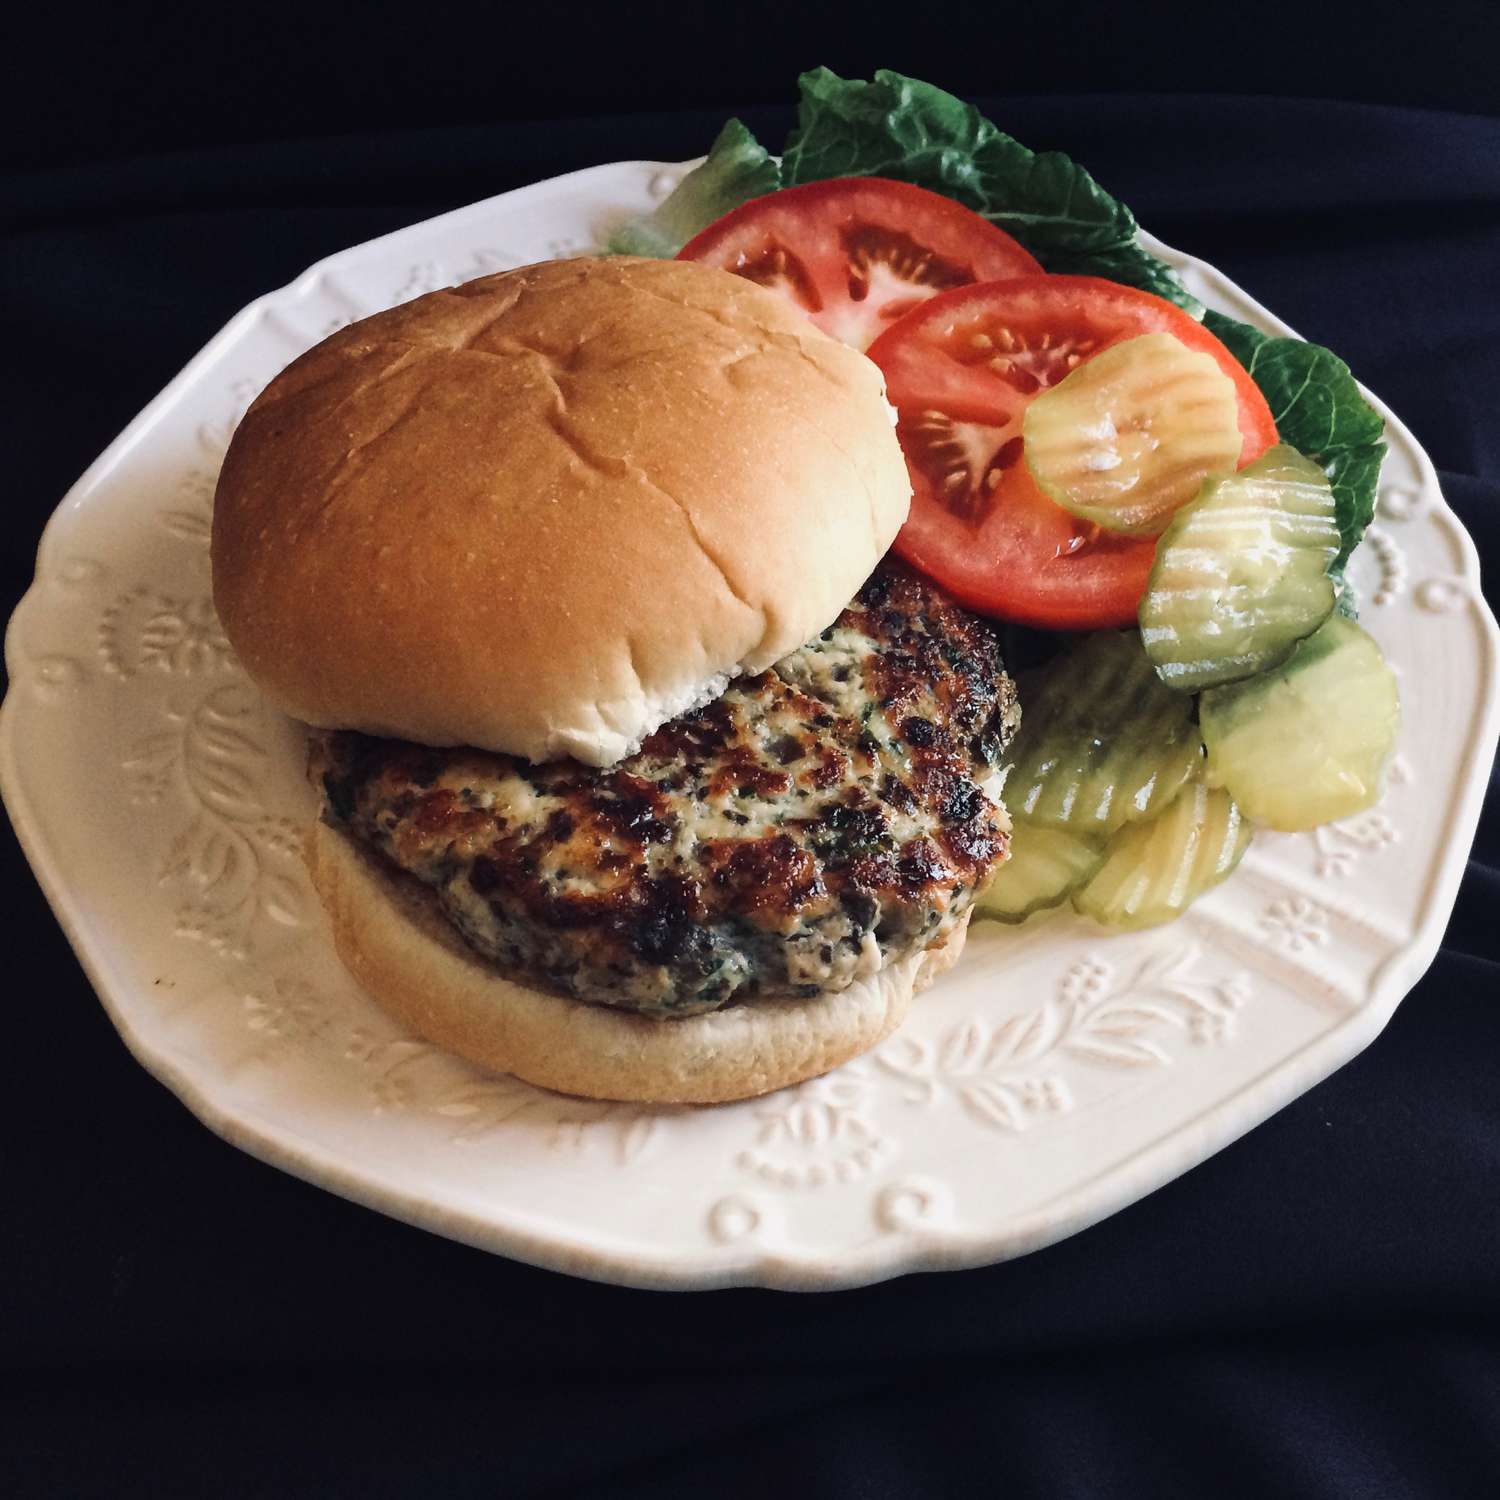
[644,774]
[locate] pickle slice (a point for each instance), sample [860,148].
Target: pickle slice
[1102,741]
[1154,871]
[1241,574]
[1045,865]
[1306,742]
[1129,437]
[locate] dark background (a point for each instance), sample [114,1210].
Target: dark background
[150,79]
[1312,1312]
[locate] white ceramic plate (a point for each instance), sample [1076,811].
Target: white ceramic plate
[1058,1074]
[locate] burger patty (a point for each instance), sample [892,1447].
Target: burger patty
[808,825]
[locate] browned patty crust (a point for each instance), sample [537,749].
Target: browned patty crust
[799,831]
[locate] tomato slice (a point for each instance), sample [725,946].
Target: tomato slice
[857,253]
[960,371]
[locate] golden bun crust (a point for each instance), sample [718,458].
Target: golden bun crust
[394,940]
[545,511]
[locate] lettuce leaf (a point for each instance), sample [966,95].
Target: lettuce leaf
[736,169]
[1132,265]
[899,127]
[1319,410]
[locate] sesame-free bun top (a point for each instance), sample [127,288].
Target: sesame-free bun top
[545,511]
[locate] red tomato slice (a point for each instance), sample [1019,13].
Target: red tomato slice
[960,372]
[856,253]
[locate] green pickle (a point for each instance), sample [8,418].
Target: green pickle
[1129,437]
[1152,872]
[1102,742]
[1241,574]
[1307,742]
[1045,866]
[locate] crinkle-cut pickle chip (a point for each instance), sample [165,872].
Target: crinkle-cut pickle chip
[1307,742]
[1241,574]
[1152,872]
[1045,865]
[1129,436]
[1102,742]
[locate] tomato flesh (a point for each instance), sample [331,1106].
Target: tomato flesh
[960,372]
[858,253]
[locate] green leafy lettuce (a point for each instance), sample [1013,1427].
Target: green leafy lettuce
[894,126]
[1131,264]
[898,127]
[736,169]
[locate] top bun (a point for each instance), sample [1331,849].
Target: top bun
[546,511]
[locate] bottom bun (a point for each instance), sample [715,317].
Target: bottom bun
[392,936]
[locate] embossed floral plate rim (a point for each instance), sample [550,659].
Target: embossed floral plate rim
[917,1246]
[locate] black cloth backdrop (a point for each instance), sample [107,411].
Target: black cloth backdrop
[1314,1311]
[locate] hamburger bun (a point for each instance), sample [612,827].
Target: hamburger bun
[546,511]
[393,938]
